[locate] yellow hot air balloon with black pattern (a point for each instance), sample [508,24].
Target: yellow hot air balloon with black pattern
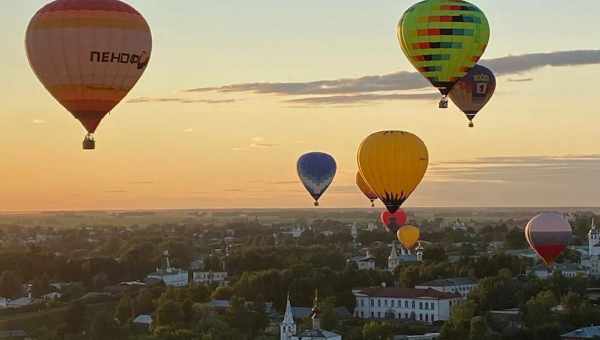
[393,163]
[443,39]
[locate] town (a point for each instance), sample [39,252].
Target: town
[291,275]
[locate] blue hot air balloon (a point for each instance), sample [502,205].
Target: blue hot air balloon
[316,171]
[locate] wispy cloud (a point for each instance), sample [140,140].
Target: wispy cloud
[361,98]
[38,121]
[378,88]
[141,182]
[520,80]
[188,130]
[180,100]
[116,191]
[256,143]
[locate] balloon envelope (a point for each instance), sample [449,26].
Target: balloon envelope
[409,235]
[549,235]
[392,222]
[393,163]
[88,54]
[474,91]
[316,171]
[443,39]
[365,188]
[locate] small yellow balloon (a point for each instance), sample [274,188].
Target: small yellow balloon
[408,236]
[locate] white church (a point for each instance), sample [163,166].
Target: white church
[289,331]
[591,260]
[403,255]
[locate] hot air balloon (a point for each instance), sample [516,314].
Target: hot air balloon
[316,171]
[443,40]
[409,235]
[88,55]
[549,235]
[365,188]
[392,222]
[393,163]
[474,91]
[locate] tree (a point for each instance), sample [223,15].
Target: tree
[377,331]
[104,327]
[40,287]
[144,302]
[11,285]
[124,310]
[75,317]
[478,328]
[169,314]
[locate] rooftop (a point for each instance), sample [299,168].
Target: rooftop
[457,281]
[316,334]
[406,293]
[583,333]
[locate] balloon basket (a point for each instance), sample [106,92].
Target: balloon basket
[316,204]
[443,103]
[89,143]
[471,124]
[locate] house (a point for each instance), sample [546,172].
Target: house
[459,285]
[569,270]
[143,321]
[583,333]
[366,262]
[209,278]
[6,303]
[15,335]
[170,276]
[289,331]
[428,336]
[426,305]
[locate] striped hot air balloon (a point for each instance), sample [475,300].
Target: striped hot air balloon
[88,54]
[443,39]
[549,235]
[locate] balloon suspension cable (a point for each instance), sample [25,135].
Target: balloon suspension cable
[444,102]
[89,143]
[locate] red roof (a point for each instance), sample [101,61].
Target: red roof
[407,293]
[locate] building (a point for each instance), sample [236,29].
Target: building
[403,255]
[426,305]
[143,321]
[15,335]
[170,276]
[366,262]
[459,225]
[569,270]
[428,336]
[583,333]
[591,260]
[288,329]
[459,285]
[209,278]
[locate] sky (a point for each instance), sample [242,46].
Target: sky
[213,123]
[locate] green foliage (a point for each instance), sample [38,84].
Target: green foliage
[377,331]
[10,285]
[124,310]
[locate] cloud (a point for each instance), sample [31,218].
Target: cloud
[188,130]
[362,98]
[141,182]
[263,145]
[38,121]
[117,191]
[179,100]
[512,181]
[520,80]
[369,88]
[257,143]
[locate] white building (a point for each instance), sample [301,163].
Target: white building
[459,225]
[460,285]
[289,331]
[569,270]
[426,305]
[591,261]
[171,277]
[403,256]
[366,262]
[209,278]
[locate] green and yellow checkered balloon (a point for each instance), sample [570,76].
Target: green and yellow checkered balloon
[443,39]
